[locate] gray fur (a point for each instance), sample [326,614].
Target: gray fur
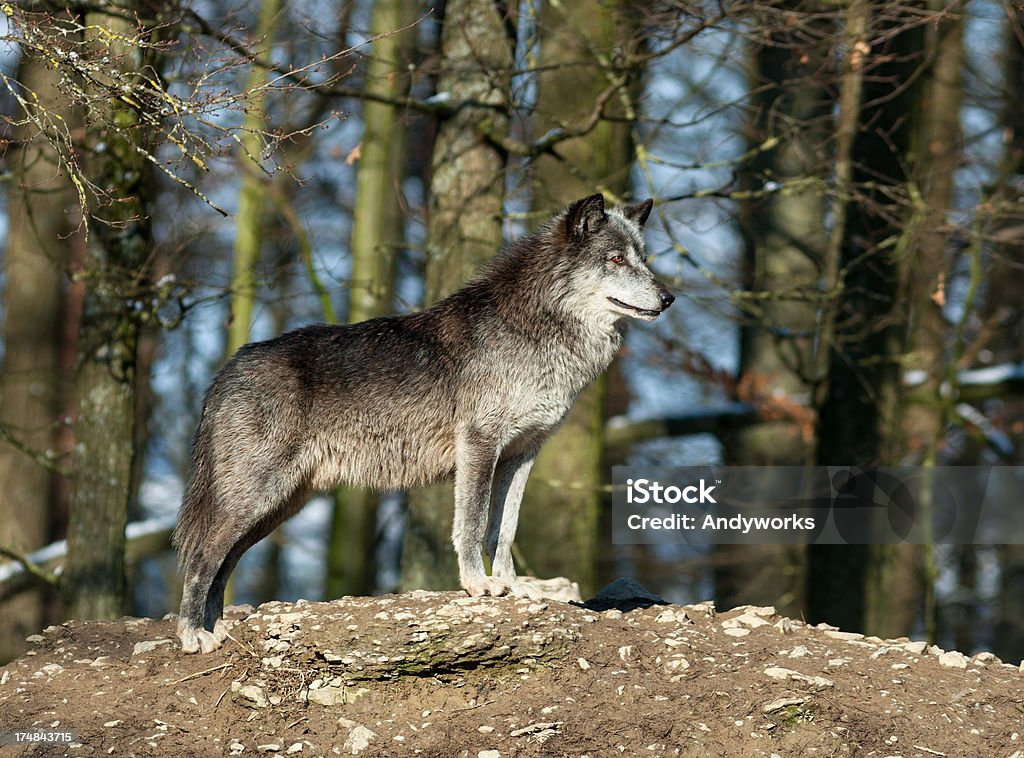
[470,388]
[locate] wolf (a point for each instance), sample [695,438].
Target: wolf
[470,387]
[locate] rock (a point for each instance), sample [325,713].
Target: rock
[784,626]
[583,663]
[624,594]
[673,616]
[845,636]
[777,672]
[147,646]
[705,607]
[248,695]
[917,648]
[542,730]
[558,588]
[953,659]
[488,754]
[359,737]
[677,664]
[782,702]
[335,695]
[737,632]
[750,620]
[766,611]
[270,747]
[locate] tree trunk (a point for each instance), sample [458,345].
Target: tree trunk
[1006,282]
[40,211]
[559,526]
[785,241]
[857,422]
[467,192]
[252,196]
[120,243]
[378,232]
[899,576]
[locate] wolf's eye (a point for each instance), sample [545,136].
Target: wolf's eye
[618,260]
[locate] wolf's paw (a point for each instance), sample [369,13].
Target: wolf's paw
[197,640]
[481,586]
[497,586]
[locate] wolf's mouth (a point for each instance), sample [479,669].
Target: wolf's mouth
[642,312]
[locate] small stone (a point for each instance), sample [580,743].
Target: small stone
[270,747]
[488,754]
[777,672]
[249,695]
[485,729]
[782,702]
[953,659]
[294,748]
[627,653]
[784,626]
[359,738]
[583,663]
[737,632]
[677,664]
[845,636]
[113,723]
[916,648]
[744,620]
[148,646]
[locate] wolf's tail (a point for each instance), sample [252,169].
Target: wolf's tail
[197,511]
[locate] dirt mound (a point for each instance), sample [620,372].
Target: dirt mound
[441,674]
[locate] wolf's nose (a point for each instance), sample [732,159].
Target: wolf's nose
[667,298]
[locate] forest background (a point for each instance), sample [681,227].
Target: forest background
[838,207]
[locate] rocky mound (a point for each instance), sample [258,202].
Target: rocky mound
[441,674]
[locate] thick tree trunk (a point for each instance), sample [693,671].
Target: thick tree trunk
[858,419]
[464,226]
[118,252]
[252,196]
[785,242]
[40,214]
[899,576]
[1006,284]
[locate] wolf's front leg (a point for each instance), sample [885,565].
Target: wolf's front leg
[476,455]
[510,479]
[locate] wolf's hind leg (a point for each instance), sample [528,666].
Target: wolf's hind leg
[254,529]
[200,573]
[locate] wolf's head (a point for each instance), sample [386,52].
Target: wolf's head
[610,277]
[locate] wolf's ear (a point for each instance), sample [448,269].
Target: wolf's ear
[639,212]
[585,216]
